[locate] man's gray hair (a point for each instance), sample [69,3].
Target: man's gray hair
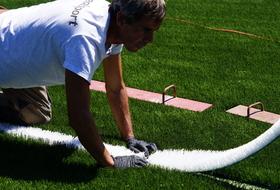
[133,10]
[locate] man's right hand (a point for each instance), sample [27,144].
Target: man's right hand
[129,161]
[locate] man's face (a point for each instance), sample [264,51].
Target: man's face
[137,35]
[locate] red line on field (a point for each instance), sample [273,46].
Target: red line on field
[224,30]
[156,98]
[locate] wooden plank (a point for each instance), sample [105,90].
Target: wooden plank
[256,114]
[157,98]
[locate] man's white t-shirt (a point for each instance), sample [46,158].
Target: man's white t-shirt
[38,43]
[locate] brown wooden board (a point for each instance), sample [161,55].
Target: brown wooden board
[157,98]
[256,114]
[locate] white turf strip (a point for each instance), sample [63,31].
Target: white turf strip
[183,160]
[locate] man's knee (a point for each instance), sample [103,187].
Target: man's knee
[33,105]
[34,115]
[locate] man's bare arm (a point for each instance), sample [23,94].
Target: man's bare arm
[81,120]
[117,94]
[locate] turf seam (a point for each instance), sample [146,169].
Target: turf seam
[234,183]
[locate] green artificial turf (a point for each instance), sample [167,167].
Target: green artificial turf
[222,68]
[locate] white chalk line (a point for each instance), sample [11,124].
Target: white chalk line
[182,160]
[202,160]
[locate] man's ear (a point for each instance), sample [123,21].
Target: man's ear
[120,19]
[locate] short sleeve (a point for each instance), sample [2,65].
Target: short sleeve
[116,49]
[82,56]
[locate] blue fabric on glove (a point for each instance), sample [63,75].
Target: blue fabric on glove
[129,161]
[140,146]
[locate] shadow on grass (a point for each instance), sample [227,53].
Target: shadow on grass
[35,161]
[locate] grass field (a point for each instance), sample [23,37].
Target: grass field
[222,68]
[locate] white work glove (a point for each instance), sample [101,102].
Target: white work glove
[129,161]
[140,146]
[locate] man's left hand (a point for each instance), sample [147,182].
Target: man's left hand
[140,146]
